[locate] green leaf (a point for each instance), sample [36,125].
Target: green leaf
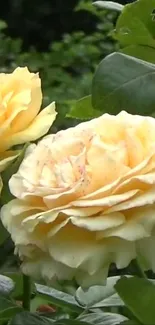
[135,30]
[82,109]
[109,5]
[39,300]
[5,303]
[139,296]
[142,52]
[8,308]
[122,82]
[130,322]
[113,301]
[70,322]
[17,278]
[6,196]
[136,25]
[56,315]
[103,318]
[27,318]
[6,285]
[99,296]
[58,298]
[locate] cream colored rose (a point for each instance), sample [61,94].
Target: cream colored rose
[20,102]
[85,198]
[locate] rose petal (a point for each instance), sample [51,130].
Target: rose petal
[101,222]
[36,129]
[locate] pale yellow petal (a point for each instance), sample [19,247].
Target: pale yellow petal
[1,184]
[35,130]
[141,182]
[145,252]
[81,212]
[5,126]
[87,280]
[101,222]
[23,119]
[142,199]
[135,148]
[143,168]
[129,231]
[14,223]
[139,224]
[121,251]
[43,266]
[106,202]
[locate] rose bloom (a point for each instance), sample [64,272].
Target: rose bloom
[85,198]
[20,102]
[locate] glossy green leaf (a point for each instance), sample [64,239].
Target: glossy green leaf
[109,5]
[71,322]
[130,322]
[58,298]
[17,278]
[136,24]
[99,296]
[142,52]
[103,318]
[122,82]
[39,300]
[8,308]
[113,301]
[6,285]
[27,318]
[138,295]
[82,109]
[5,303]
[58,315]
[135,30]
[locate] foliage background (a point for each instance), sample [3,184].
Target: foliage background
[64,42]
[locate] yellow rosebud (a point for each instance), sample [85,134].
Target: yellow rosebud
[20,102]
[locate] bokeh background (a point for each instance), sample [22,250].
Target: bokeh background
[62,39]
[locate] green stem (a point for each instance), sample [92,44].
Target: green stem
[26,292]
[139,270]
[86,310]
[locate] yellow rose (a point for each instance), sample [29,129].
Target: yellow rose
[85,198]
[20,102]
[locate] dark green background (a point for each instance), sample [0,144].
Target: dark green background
[39,22]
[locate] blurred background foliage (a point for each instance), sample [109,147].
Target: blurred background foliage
[64,41]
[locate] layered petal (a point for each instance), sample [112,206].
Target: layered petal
[85,198]
[20,103]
